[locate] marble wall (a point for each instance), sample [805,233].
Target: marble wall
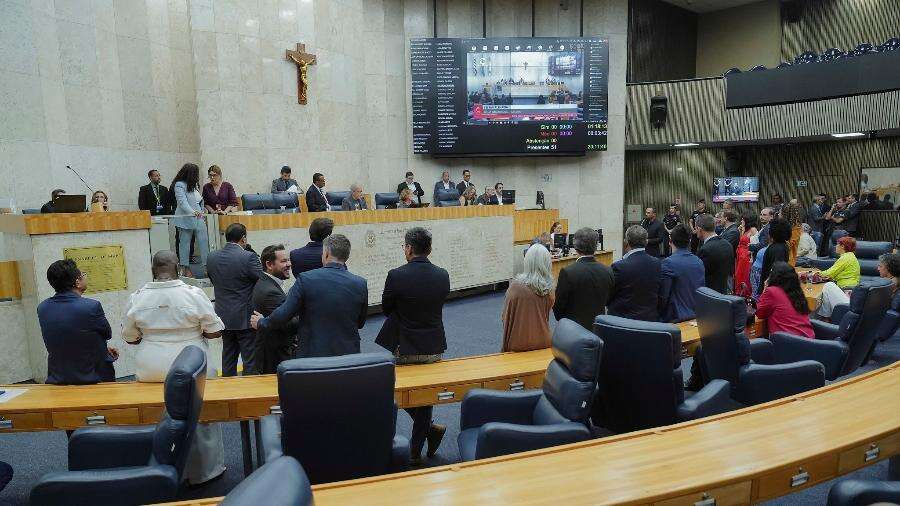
[105,86]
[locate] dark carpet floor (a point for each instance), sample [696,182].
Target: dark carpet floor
[473,328]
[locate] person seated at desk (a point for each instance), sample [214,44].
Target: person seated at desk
[218,195]
[285,182]
[48,207]
[584,286]
[468,198]
[681,274]
[162,318]
[315,195]
[843,276]
[277,343]
[488,198]
[355,202]
[806,247]
[637,278]
[498,192]
[443,184]
[529,299]
[406,200]
[413,186]
[309,257]
[75,330]
[154,196]
[99,202]
[783,305]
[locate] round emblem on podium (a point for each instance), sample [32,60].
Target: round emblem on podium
[370,239]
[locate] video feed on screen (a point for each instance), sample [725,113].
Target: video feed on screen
[527,83]
[737,188]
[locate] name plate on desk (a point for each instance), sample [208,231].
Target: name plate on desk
[103,265]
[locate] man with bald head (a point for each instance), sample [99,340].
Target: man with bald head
[355,202]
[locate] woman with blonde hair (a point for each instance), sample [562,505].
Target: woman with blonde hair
[405,199]
[99,202]
[529,299]
[468,198]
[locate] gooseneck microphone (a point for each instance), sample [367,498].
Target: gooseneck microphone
[81,178]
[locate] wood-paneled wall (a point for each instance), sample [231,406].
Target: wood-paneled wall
[662,41]
[843,24]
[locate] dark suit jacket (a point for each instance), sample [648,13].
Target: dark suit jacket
[332,304]
[276,343]
[462,186]
[732,235]
[306,258]
[234,272]
[418,192]
[680,276]
[147,200]
[75,332]
[440,186]
[655,237]
[815,216]
[636,292]
[413,302]
[315,201]
[488,201]
[718,263]
[582,291]
[851,219]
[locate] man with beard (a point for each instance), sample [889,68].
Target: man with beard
[277,342]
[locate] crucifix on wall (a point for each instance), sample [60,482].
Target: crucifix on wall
[303,60]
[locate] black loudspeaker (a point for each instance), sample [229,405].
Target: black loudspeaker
[733,159]
[791,11]
[659,111]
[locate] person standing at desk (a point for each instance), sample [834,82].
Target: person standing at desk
[413,186]
[413,302]
[309,257]
[583,287]
[716,254]
[285,182]
[276,343]
[354,202]
[48,207]
[189,222]
[316,201]
[218,194]
[529,299]
[636,275]
[75,330]
[444,184]
[670,221]
[234,272]
[681,274]
[153,196]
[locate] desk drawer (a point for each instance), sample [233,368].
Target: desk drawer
[440,395]
[868,454]
[75,419]
[797,477]
[151,414]
[528,382]
[729,495]
[214,412]
[13,422]
[254,409]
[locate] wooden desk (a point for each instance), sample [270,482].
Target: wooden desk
[741,457]
[530,223]
[605,257]
[812,292]
[64,223]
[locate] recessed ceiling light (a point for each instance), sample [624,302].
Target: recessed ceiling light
[851,134]
[686,145]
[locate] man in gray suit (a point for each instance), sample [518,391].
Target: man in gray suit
[278,342]
[234,272]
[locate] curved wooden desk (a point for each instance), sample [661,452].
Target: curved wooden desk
[742,457]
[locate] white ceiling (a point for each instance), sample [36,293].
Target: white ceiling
[708,5]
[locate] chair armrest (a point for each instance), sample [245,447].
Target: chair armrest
[762,351]
[825,331]
[270,435]
[888,325]
[498,438]
[112,446]
[712,399]
[399,454]
[760,383]
[830,354]
[837,314]
[822,263]
[851,492]
[481,406]
[131,485]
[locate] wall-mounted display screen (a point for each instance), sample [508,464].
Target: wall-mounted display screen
[736,188]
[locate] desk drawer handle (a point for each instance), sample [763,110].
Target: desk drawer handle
[517,385]
[872,453]
[446,396]
[95,420]
[706,500]
[275,410]
[800,478]
[5,424]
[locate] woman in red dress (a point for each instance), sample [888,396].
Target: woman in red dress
[743,260]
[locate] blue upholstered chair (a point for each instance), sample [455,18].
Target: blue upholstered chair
[864,493]
[785,65]
[383,200]
[759,68]
[447,198]
[641,381]
[892,44]
[6,474]
[498,423]
[832,54]
[335,199]
[842,347]
[257,201]
[138,464]
[807,57]
[862,49]
[755,372]
[280,482]
[286,199]
[867,253]
[338,417]
[270,203]
[731,71]
[890,324]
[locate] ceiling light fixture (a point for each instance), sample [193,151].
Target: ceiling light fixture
[850,134]
[686,145]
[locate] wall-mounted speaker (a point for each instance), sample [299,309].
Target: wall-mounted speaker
[791,11]
[659,111]
[734,158]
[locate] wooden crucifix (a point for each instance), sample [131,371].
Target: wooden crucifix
[303,61]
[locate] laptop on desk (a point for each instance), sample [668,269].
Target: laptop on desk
[69,203]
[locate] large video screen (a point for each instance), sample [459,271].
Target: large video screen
[737,188]
[509,96]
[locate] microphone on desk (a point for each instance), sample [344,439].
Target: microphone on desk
[81,178]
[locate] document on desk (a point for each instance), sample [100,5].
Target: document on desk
[11,393]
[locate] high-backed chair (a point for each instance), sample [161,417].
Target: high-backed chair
[864,493]
[892,44]
[335,199]
[280,482]
[338,417]
[807,57]
[137,464]
[841,348]
[269,203]
[383,200]
[832,54]
[758,68]
[287,200]
[785,65]
[447,198]
[750,366]
[862,49]
[641,381]
[890,324]
[731,71]
[498,423]
[6,474]
[867,253]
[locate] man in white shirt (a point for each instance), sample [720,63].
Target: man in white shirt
[444,184]
[414,187]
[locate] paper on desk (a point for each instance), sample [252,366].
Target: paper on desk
[293,189]
[11,393]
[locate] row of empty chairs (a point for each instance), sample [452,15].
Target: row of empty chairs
[831,54]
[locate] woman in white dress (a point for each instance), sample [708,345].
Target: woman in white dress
[161,319]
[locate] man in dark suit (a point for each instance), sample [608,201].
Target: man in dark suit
[413,302]
[730,231]
[488,198]
[636,275]
[815,215]
[75,330]
[765,216]
[277,343]
[315,195]
[680,276]
[583,287]
[309,257]
[414,187]
[154,196]
[49,206]
[443,184]
[332,304]
[850,219]
[234,272]
[465,183]
[716,254]
[655,232]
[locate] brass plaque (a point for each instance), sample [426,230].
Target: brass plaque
[103,265]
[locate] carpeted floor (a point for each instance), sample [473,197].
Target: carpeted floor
[473,328]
